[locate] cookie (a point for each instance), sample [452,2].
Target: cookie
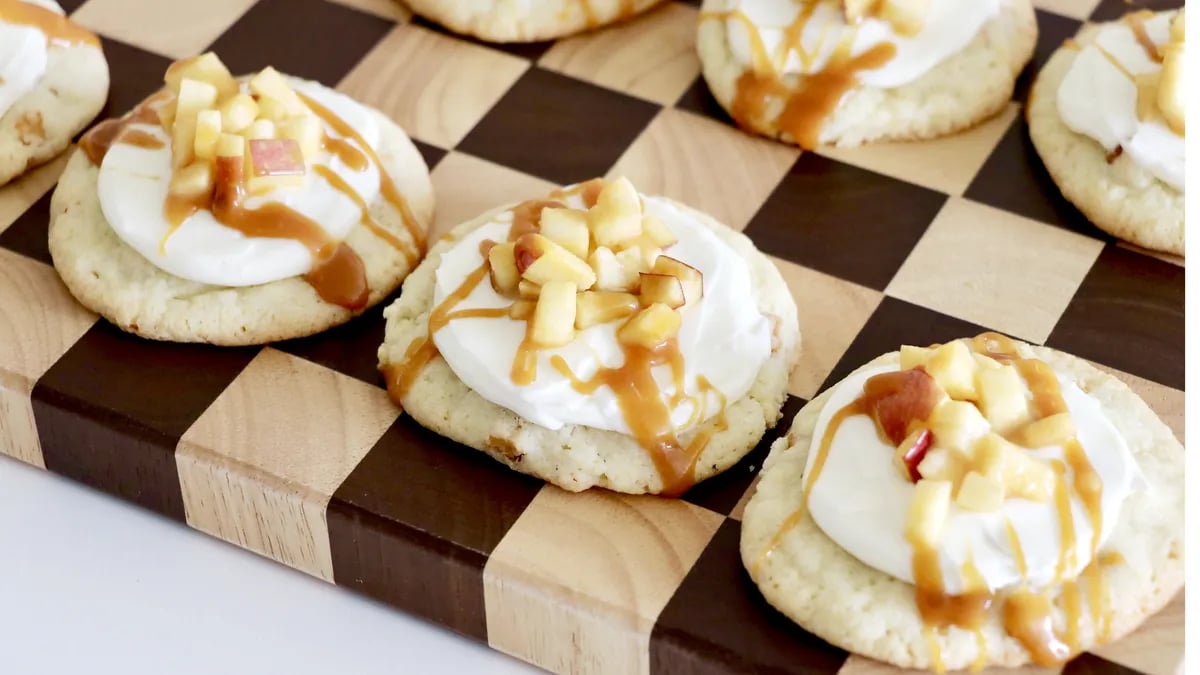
[832,108]
[814,581]
[110,277]
[1116,194]
[576,457]
[40,123]
[527,20]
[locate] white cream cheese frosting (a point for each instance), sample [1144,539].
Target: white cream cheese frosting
[1099,99]
[724,337]
[24,52]
[949,26]
[133,186]
[861,501]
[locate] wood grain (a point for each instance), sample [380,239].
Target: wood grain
[467,186]
[652,58]
[962,267]
[260,465]
[706,165]
[577,583]
[19,195]
[436,87]
[176,29]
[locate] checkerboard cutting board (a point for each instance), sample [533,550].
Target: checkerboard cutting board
[294,451]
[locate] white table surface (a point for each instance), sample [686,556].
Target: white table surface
[89,584]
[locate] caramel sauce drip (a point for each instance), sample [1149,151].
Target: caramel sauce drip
[386,185]
[400,377]
[338,183]
[1028,618]
[96,142]
[1014,542]
[141,139]
[851,409]
[527,216]
[58,29]
[588,191]
[345,151]
[1137,23]
[644,410]
[758,50]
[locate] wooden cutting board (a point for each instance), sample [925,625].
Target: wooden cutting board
[294,451]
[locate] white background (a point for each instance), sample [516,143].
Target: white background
[92,585]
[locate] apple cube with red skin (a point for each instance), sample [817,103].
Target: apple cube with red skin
[690,277]
[911,452]
[275,163]
[898,399]
[662,288]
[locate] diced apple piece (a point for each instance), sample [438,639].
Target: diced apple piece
[646,250]
[208,129]
[1053,430]
[194,96]
[166,114]
[554,316]
[271,109]
[567,227]
[911,357]
[183,141]
[238,113]
[958,425]
[502,266]
[942,464]
[541,260]
[228,175]
[661,288]
[658,232]
[617,215]
[690,277]
[910,453]
[521,310]
[597,307]
[275,163]
[527,290]
[980,493]
[1022,474]
[651,327]
[928,511]
[1002,398]
[613,272]
[261,130]
[207,68]
[855,11]
[269,85]
[907,17]
[985,362]
[305,130]
[899,400]
[230,145]
[954,368]
[193,182]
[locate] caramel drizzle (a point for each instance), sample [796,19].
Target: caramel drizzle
[813,97]
[58,29]
[1137,23]
[338,183]
[386,185]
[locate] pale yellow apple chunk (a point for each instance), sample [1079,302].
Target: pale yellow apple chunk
[661,288]
[502,268]
[954,368]
[650,328]
[927,514]
[1053,430]
[1002,398]
[690,277]
[980,493]
[1022,474]
[207,68]
[613,272]
[957,425]
[568,228]
[617,216]
[554,316]
[541,260]
[596,307]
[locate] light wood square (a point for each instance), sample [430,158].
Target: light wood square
[946,164]
[706,165]
[583,576]
[19,195]
[832,312]
[467,186]
[1076,9]
[995,269]
[653,57]
[39,320]
[436,87]
[259,466]
[18,430]
[175,29]
[1156,647]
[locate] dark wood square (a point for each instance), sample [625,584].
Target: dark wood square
[324,40]
[558,128]
[525,50]
[699,99]
[845,221]
[134,73]
[28,233]
[1111,10]
[1053,29]
[1128,314]
[351,349]
[717,622]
